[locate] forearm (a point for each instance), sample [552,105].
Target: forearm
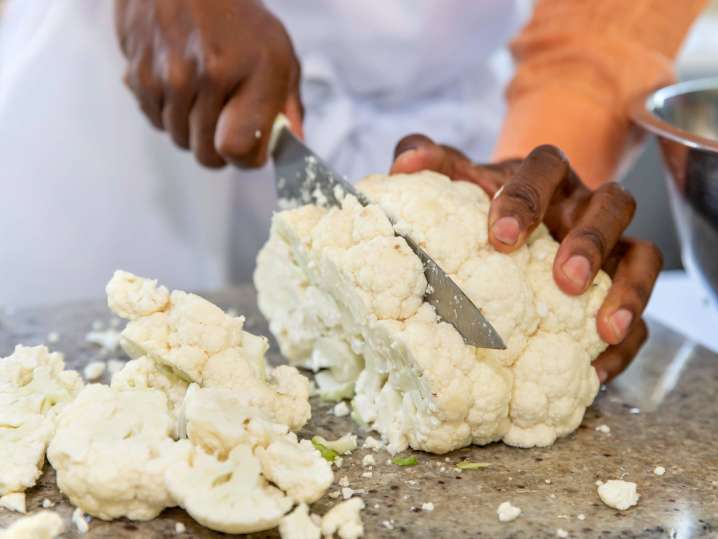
[579,64]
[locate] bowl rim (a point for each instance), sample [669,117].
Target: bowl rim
[642,107]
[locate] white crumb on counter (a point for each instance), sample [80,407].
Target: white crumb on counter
[108,339]
[367,475]
[547,481]
[53,337]
[635,411]
[560,532]
[335,494]
[581,516]
[604,429]
[179,527]
[15,501]
[368,460]
[428,507]
[78,519]
[388,524]
[618,494]
[338,461]
[372,443]
[341,409]
[47,503]
[344,481]
[507,512]
[659,470]
[94,370]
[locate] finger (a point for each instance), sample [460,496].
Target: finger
[628,296]
[202,123]
[147,87]
[614,360]
[585,248]
[180,91]
[293,107]
[519,207]
[246,120]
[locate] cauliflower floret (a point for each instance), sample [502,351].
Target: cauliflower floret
[344,519]
[34,387]
[434,392]
[299,525]
[200,343]
[111,450]
[226,495]
[144,373]
[41,525]
[133,297]
[618,494]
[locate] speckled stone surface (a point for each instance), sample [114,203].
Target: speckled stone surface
[672,382]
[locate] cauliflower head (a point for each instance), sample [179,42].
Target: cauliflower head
[344,296]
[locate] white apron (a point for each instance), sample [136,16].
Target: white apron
[87,186]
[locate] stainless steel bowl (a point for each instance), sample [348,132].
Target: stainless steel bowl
[684,118]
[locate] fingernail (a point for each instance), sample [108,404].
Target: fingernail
[578,270]
[620,321]
[602,375]
[506,230]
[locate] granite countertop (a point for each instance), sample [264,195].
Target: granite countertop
[673,382]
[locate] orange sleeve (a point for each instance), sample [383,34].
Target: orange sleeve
[579,63]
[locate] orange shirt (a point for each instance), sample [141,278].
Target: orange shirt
[579,63]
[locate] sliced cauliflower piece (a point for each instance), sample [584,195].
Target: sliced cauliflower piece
[344,519]
[133,297]
[299,525]
[111,449]
[34,387]
[40,525]
[200,343]
[415,380]
[226,495]
[295,467]
[144,373]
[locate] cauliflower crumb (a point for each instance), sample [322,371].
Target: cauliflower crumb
[367,475]
[604,429]
[341,409]
[388,524]
[179,527]
[581,516]
[635,411]
[15,501]
[347,492]
[368,460]
[508,512]
[618,494]
[344,481]
[94,370]
[108,339]
[334,494]
[560,532]
[428,507]
[547,481]
[47,503]
[659,470]
[80,521]
[372,443]
[53,337]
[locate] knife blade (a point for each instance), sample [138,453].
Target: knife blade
[301,177]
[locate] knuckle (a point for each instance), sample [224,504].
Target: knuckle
[619,197]
[215,73]
[548,151]
[595,239]
[524,194]
[178,79]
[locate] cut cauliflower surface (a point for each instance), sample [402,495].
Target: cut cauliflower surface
[218,421]
[340,290]
[200,343]
[34,387]
[111,449]
[40,525]
[229,495]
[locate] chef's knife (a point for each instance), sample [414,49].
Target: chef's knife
[303,178]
